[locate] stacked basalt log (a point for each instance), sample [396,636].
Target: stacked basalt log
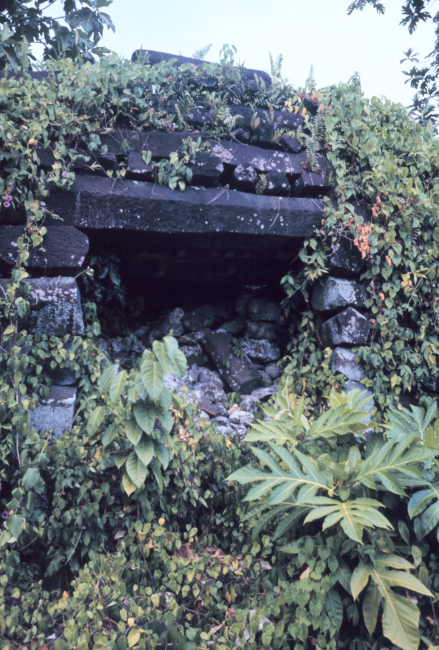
[253,200]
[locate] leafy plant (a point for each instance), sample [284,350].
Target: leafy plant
[296,478]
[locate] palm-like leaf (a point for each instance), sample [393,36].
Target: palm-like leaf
[353,515]
[430,516]
[400,615]
[388,459]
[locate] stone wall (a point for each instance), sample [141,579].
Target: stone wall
[227,229]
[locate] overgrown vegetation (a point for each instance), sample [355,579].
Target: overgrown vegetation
[132,519]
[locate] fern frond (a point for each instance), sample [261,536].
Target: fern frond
[201,54]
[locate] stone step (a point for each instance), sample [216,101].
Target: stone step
[56,413]
[62,252]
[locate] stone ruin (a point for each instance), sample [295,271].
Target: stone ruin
[204,264]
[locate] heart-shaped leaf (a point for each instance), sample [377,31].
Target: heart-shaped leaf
[136,470]
[145,414]
[145,449]
[152,376]
[133,431]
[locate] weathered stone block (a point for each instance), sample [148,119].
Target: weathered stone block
[64,247]
[347,328]
[268,331]
[137,169]
[244,178]
[343,361]
[105,204]
[333,293]
[206,169]
[55,307]
[261,309]
[156,57]
[292,145]
[277,184]
[231,153]
[345,256]
[57,412]
[311,184]
[240,374]
[202,317]
[262,351]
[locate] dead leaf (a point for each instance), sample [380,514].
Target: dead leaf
[65,595]
[216,629]
[228,597]
[430,620]
[161,521]
[119,534]
[130,621]
[234,408]
[388,260]
[231,613]
[381,295]
[235,564]
[305,574]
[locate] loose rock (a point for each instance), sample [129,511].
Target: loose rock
[333,293]
[348,328]
[260,351]
[240,374]
[260,309]
[343,361]
[203,317]
[55,413]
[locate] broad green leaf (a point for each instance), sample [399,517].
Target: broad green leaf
[429,519]
[371,605]
[133,637]
[120,459]
[106,376]
[401,621]
[31,478]
[140,387]
[165,417]
[161,352]
[117,386]
[344,575]
[161,453]
[145,415]
[179,363]
[360,578]
[109,435]
[152,376]
[132,431]
[157,473]
[95,420]
[15,525]
[334,607]
[145,449]
[136,470]
[127,484]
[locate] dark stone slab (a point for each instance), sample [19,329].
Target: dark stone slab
[45,155]
[311,105]
[241,135]
[347,328]
[203,317]
[345,258]
[155,57]
[55,307]
[277,184]
[206,169]
[260,351]
[230,153]
[244,178]
[107,204]
[137,169]
[261,309]
[334,293]
[64,251]
[311,184]
[291,144]
[240,374]
[268,331]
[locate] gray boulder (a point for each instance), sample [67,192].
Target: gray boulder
[261,309]
[347,328]
[333,293]
[268,331]
[203,317]
[345,256]
[239,373]
[343,361]
[260,351]
[244,178]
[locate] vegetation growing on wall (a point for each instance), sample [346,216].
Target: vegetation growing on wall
[121,552]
